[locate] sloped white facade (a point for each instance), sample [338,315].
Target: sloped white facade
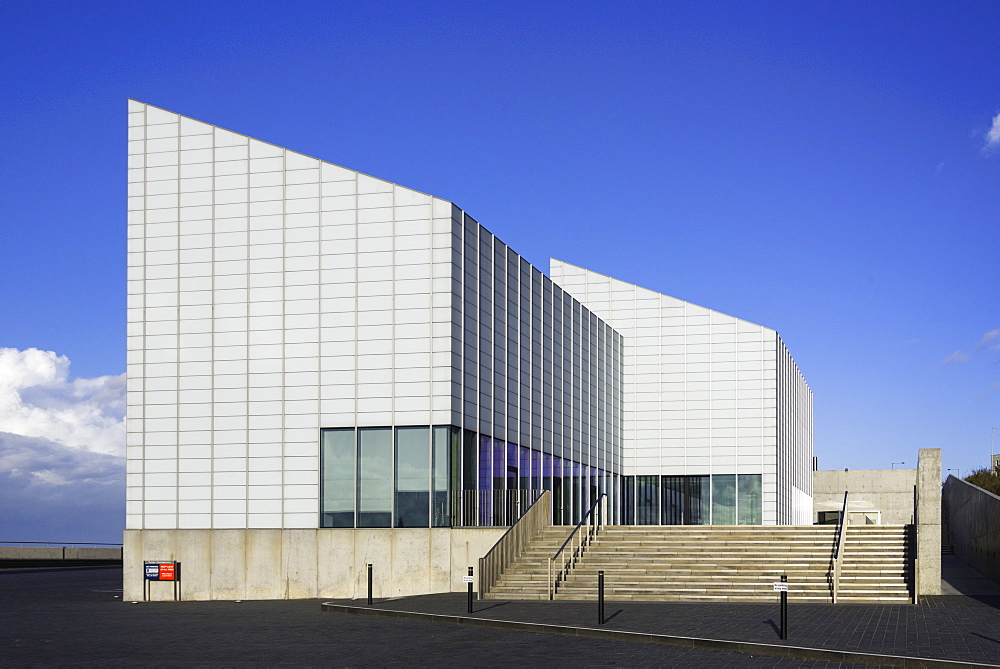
[705,393]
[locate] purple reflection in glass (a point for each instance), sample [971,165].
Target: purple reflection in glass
[485,461]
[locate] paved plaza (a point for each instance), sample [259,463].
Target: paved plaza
[75,617]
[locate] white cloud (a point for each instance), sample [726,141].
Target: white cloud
[955,358]
[990,341]
[993,134]
[53,492]
[991,336]
[39,399]
[62,442]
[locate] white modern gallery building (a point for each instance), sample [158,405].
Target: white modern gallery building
[326,369]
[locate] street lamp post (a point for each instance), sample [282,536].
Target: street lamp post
[957,470]
[893,466]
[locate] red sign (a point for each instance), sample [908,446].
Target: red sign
[167,571]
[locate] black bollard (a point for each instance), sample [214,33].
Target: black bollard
[470,589]
[369,584]
[784,609]
[600,597]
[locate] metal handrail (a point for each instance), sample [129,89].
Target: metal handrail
[838,551]
[490,508]
[583,539]
[513,541]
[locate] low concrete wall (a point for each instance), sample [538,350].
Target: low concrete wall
[58,553]
[974,524]
[302,564]
[889,491]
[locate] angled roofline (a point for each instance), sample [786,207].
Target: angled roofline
[285,148]
[635,285]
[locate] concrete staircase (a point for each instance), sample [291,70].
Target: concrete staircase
[878,564]
[528,576]
[718,563]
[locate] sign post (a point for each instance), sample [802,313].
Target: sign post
[600,597]
[468,579]
[161,570]
[782,587]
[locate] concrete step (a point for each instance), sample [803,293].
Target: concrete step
[699,563]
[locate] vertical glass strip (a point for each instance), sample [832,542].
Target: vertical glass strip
[697,500]
[470,464]
[647,502]
[338,450]
[748,501]
[441,455]
[673,500]
[627,484]
[375,477]
[413,477]
[724,499]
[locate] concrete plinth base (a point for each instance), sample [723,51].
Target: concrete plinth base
[303,564]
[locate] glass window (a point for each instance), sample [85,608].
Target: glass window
[522,457]
[485,463]
[673,500]
[413,476]
[647,510]
[697,499]
[469,462]
[748,503]
[685,500]
[536,477]
[339,447]
[628,500]
[375,477]
[441,455]
[724,499]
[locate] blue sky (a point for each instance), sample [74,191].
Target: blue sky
[821,168]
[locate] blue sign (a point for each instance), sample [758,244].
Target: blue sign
[152,571]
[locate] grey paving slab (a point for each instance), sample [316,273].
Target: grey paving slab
[74,617]
[959,628]
[958,578]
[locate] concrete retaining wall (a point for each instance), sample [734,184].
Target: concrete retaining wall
[974,524]
[889,491]
[308,563]
[58,553]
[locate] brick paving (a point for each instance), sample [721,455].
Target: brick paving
[73,617]
[948,628]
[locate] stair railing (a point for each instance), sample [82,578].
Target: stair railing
[838,551]
[513,542]
[578,540]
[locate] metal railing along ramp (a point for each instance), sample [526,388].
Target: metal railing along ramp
[720,563]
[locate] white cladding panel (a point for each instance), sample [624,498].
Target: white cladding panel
[270,294]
